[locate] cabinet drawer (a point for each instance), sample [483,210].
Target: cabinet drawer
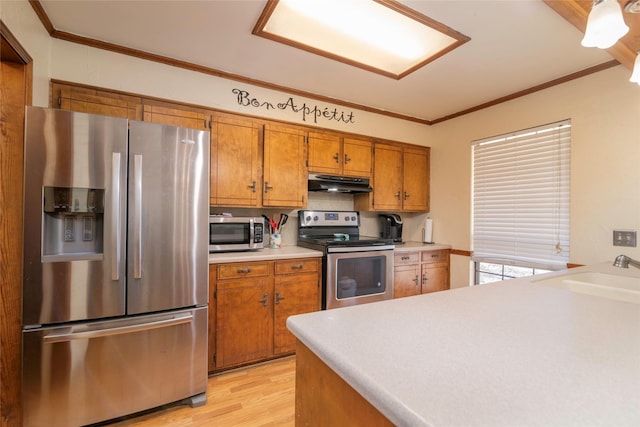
[290,266]
[403,258]
[243,269]
[435,256]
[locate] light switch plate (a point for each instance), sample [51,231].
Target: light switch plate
[624,238]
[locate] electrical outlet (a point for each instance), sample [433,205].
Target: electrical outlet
[624,238]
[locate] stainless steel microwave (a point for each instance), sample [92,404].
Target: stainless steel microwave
[228,234]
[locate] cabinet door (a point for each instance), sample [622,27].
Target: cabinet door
[294,294]
[285,170]
[406,280]
[387,177]
[325,154]
[235,162]
[95,101]
[175,116]
[435,277]
[356,157]
[244,320]
[415,192]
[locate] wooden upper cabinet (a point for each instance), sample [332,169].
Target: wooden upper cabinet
[325,153]
[356,157]
[415,193]
[95,101]
[387,177]
[235,162]
[173,116]
[400,179]
[334,155]
[285,171]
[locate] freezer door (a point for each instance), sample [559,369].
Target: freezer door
[167,248]
[87,373]
[75,216]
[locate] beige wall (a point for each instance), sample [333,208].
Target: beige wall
[604,109]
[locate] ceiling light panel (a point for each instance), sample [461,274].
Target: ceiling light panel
[382,36]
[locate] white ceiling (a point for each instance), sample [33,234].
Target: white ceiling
[515,45]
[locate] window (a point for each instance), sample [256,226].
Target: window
[520,202]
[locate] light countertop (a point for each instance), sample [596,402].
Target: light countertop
[502,354]
[419,246]
[264,255]
[300,252]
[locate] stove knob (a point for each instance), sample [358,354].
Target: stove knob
[308,218]
[346,218]
[315,218]
[353,218]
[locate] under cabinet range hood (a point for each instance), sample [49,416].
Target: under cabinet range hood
[338,184]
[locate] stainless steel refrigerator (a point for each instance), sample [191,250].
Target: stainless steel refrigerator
[115,267]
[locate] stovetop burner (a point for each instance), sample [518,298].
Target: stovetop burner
[321,229]
[351,241]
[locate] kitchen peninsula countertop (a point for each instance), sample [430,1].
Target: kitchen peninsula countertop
[264,255]
[501,354]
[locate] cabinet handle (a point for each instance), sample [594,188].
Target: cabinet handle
[347,159]
[398,195]
[337,157]
[405,258]
[434,256]
[264,300]
[253,187]
[244,270]
[267,187]
[406,195]
[424,279]
[417,280]
[278,298]
[297,267]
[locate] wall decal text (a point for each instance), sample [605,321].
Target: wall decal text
[307,112]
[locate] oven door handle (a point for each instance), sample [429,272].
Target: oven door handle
[372,248]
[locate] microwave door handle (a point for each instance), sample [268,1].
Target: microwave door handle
[137,216]
[115,216]
[252,231]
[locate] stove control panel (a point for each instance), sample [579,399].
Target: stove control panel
[328,218]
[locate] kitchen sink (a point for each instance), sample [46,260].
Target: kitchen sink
[621,288]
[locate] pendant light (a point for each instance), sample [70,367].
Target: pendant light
[605,24]
[635,76]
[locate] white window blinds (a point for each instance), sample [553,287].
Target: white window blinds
[520,192]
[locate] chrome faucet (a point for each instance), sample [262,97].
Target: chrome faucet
[623,261]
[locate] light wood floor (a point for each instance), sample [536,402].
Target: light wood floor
[257,396]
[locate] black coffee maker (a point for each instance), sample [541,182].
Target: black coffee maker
[391,227]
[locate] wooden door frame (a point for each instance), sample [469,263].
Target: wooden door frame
[16,82]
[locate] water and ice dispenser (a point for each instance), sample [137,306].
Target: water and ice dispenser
[73,221]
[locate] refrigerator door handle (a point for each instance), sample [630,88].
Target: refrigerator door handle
[66,337]
[115,214]
[137,216]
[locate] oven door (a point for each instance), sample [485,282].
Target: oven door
[358,275]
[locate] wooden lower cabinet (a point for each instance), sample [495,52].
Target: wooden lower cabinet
[420,272]
[244,313]
[323,398]
[297,291]
[406,274]
[250,305]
